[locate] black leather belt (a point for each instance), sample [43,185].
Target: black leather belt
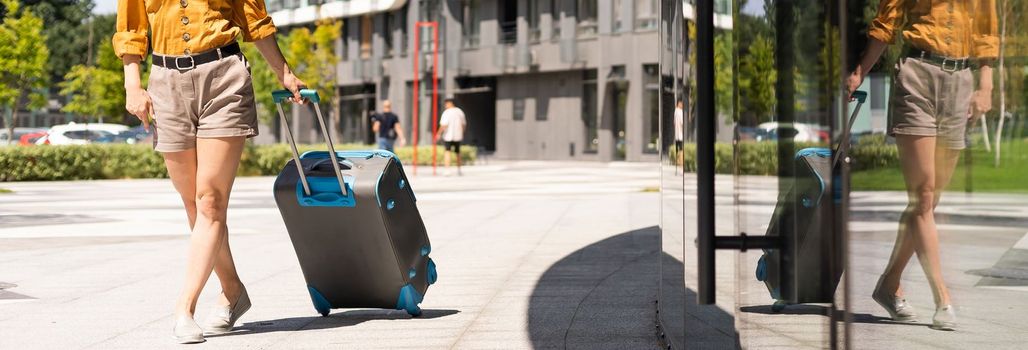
[946,63]
[185,63]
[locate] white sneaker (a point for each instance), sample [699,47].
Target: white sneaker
[945,319]
[897,308]
[187,332]
[224,317]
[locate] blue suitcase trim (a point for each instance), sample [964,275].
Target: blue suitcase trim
[325,192]
[320,303]
[432,274]
[409,299]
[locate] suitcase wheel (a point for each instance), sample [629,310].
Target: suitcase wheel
[408,300]
[432,274]
[425,249]
[320,303]
[390,204]
[778,306]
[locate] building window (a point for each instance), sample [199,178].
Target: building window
[535,14]
[555,19]
[402,22]
[651,108]
[519,108]
[619,22]
[646,14]
[390,26]
[586,14]
[470,23]
[508,22]
[542,108]
[589,116]
[365,37]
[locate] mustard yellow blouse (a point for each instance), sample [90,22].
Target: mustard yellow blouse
[185,27]
[951,28]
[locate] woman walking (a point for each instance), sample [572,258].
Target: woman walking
[934,97]
[202,100]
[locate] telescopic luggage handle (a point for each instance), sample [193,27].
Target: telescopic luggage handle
[311,95]
[844,143]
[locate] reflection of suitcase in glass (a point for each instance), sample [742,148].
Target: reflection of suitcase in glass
[362,244]
[808,258]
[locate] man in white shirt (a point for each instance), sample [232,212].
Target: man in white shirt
[679,129]
[451,127]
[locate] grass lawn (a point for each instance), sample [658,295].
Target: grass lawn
[1010,177]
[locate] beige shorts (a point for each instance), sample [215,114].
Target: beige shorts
[929,101]
[214,99]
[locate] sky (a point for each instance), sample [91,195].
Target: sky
[105,6]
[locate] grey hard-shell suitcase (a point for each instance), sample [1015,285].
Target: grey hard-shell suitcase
[362,244]
[798,219]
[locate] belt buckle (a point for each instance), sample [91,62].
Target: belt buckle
[192,63]
[956,65]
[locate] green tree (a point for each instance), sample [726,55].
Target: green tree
[23,58]
[70,33]
[312,56]
[96,92]
[757,79]
[264,82]
[724,87]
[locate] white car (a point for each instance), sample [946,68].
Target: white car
[799,132]
[80,134]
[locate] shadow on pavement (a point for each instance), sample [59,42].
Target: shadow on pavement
[336,320]
[806,309]
[601,296]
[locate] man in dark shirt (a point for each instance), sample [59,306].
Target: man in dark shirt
[387,127]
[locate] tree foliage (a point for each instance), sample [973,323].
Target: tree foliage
[96,92]
[757,79]
[70,34]
[23,58]
[264,82]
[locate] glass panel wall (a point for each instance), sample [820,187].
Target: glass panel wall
[939,192]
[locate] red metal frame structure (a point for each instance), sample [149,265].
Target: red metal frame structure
[417,93]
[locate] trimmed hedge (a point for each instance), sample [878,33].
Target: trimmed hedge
[88,162]
[761,158]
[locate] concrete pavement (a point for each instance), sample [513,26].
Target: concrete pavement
[530,255]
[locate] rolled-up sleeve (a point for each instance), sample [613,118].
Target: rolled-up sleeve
[131,28]
[252,18]
[986,31]
[889,20]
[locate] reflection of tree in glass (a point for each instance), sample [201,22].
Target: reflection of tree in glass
[757,78]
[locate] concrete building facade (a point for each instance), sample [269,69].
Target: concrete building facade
[538,79]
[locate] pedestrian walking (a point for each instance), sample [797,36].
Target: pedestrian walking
[451,126]
[386,126]
[933,99]
[202,101]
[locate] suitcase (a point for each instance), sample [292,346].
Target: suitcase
[798,218]
[354,223]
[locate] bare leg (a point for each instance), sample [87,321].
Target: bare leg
[457,156]
[216,164]
[446,158]
[182,168]
[903,250]
[924,169]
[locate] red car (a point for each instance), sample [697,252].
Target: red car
[30,139]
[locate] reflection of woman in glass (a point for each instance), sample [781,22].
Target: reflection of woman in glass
[933,98]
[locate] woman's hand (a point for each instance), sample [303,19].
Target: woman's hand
[853,81]
[137,102]
[981,103]
[294,84]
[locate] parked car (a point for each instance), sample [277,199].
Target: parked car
[799,132]
[80,134]
[18,133]
[30,139]
[131,136]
